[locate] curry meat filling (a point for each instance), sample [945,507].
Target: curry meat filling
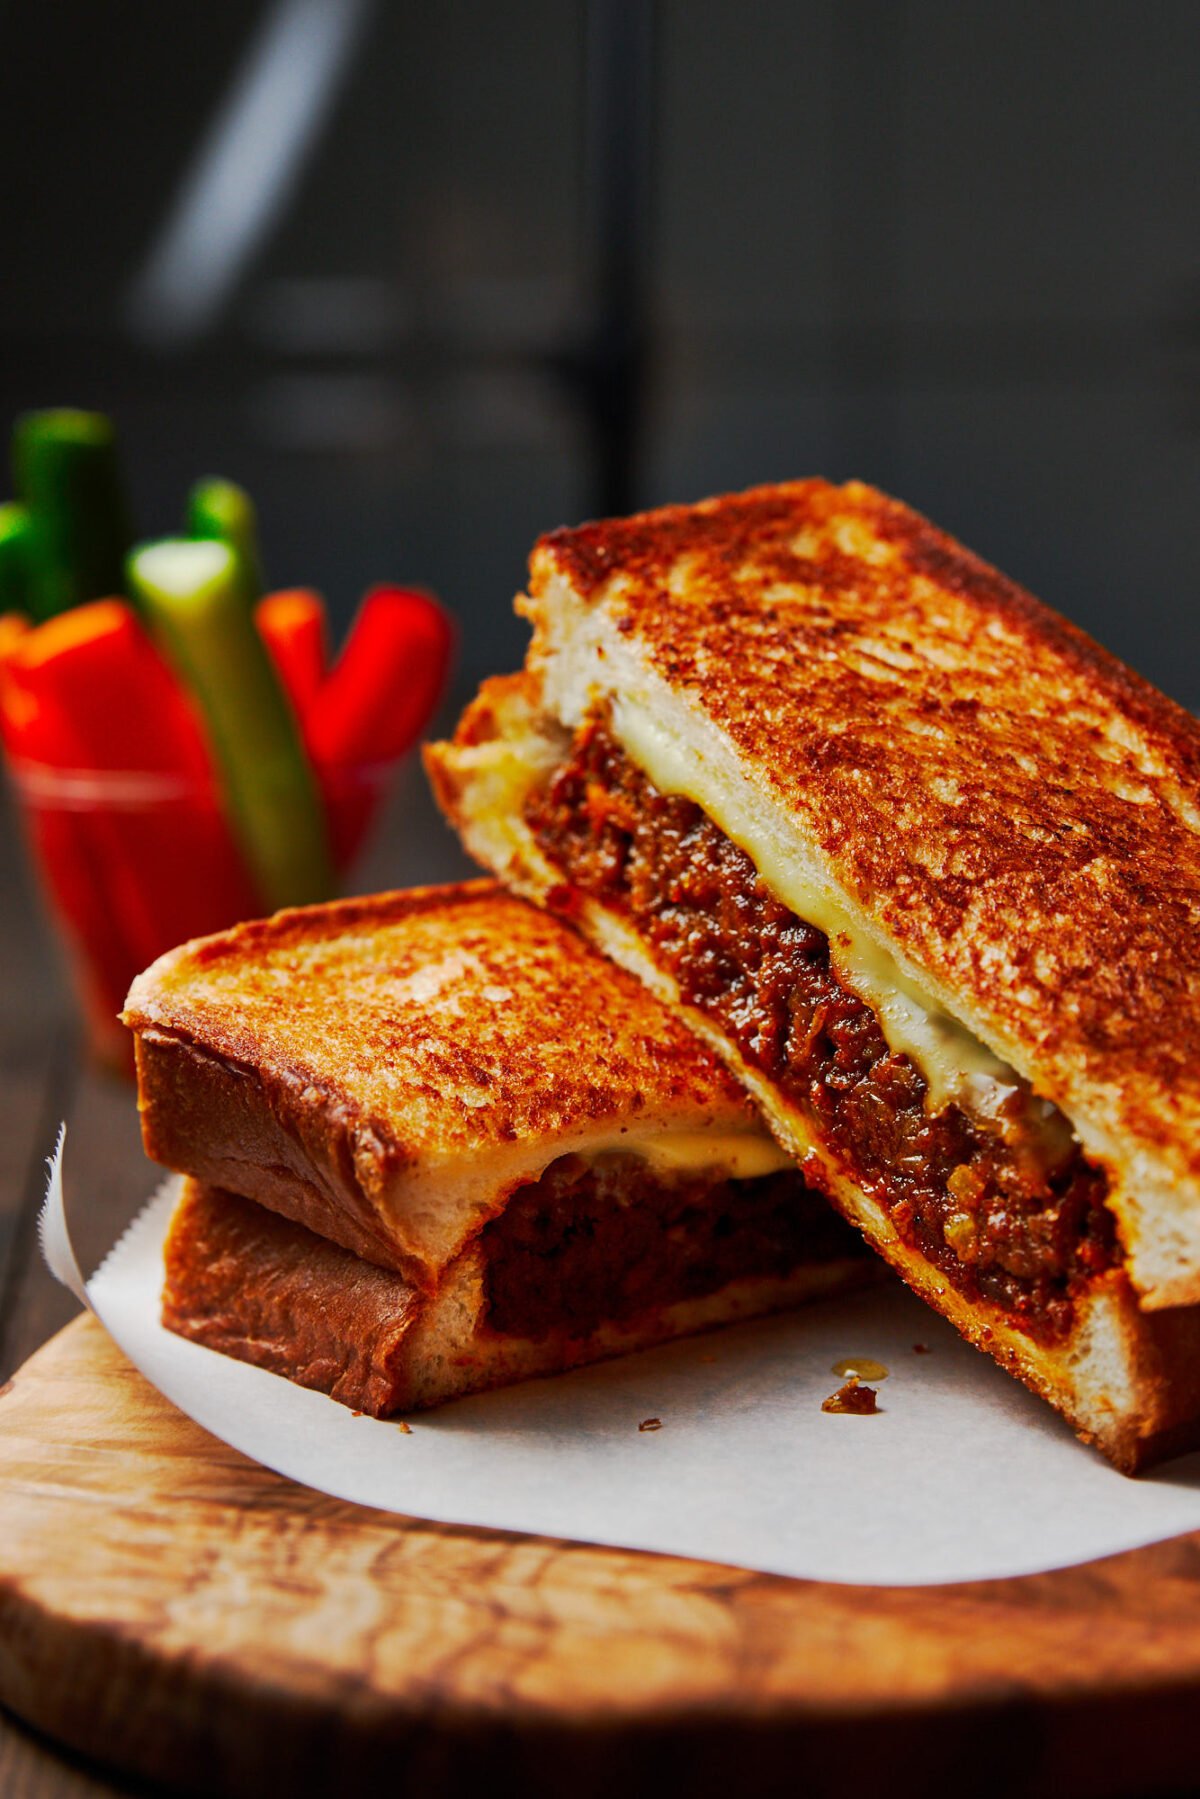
[602,1241]
[1013,1217]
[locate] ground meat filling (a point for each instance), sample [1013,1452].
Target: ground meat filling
[600,1241]
[1020,1222]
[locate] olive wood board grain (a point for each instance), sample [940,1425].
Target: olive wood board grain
[173,1609]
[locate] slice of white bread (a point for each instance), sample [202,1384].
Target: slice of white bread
[244,1281]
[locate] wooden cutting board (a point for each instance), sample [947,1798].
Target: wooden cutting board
[176,1611]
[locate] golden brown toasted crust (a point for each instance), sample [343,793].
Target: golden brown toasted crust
[445,1001]
[1018,812]
[1164,1347]
[242,1280]
[386,1070]
[1127,1381]
[295,1149]
[502,702]
[259,1288]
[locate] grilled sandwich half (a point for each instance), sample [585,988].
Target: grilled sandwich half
[922,862]
[438,1143]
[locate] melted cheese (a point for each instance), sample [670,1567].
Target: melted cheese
[741,1155]
[955,1064]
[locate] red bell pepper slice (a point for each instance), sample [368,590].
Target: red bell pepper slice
[386,682]
[145,858]
[374,705]
[65,850]
[124,709]
[292,625]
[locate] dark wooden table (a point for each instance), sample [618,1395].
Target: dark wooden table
[43,1080]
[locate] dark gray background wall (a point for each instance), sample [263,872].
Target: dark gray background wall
[952,248]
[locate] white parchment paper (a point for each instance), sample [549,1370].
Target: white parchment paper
[963,1475]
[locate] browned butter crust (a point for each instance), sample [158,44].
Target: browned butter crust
[1018,810]
[350,999]
[244,1281]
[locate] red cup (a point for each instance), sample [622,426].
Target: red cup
[132,863]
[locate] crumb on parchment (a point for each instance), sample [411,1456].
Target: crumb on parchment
[854,1397]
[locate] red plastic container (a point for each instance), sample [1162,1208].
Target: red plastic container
[133,863]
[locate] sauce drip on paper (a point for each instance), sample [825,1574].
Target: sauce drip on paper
[862,1367]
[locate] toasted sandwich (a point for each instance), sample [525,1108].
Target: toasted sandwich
[436,1143]
[922,863]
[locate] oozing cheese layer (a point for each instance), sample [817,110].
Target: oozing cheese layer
[955,1064]
[739,1155]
